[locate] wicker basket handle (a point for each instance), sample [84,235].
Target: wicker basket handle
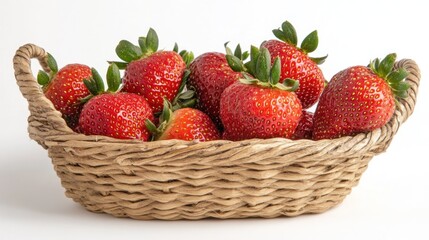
[44,120]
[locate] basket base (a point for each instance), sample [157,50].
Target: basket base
[122,192]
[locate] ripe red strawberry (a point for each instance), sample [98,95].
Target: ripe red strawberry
[150,73]
[296,64]
[185,124]
[210,75]
[65,88]
[119,115]
[359,99]
[304,130]
[262,107]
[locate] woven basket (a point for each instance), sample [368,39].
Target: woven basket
[173,179]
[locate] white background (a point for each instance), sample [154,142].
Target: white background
[390,202]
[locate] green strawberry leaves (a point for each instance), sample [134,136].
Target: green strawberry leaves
[44,78]
[120,65]
[386,65]
[113,78]
[151,127]
[128,52]
[275,72]
[149,44]
[235,63]
[185,97]
[309,44]
[291,84]
[394,77]
[251,65]
[397,75]
[236,59]
[95,83]
[259,70]
[52,63]
[263,65]
[176,48]
[164,120]
[287,34]
[237,52]
[187,56]
[319,60]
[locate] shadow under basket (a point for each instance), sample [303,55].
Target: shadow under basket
[174,179]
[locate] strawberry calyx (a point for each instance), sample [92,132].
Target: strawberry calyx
[185,97]
[147,45]
[287,33]
[164,121]
[259,70]
[187,56]
[237,52]
[44,78]
[96,85]
[394,77]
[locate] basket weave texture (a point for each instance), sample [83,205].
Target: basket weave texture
[174,179]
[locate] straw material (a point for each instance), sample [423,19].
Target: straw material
[173,179]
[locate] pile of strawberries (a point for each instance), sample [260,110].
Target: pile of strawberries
[170,95]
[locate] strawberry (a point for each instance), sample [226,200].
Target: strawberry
[359,99]
[304,130]
[210,75]
[119,115]
[260,106]
[65,88]
[296,64]
[185,123]
[150,73]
